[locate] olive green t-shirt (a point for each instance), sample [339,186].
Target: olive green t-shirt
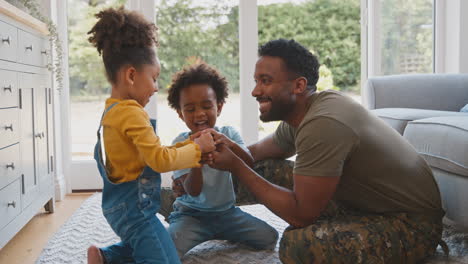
[380,171]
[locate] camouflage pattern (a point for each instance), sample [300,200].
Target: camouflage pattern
[340,234]
[276,171]
[167,199]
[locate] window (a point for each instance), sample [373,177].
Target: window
[400,37]
[192,31]
[329,28]
[88,84]
[406,36]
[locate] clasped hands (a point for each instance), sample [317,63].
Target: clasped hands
[211,141]
[216,152]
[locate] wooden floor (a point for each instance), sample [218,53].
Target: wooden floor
[27,245]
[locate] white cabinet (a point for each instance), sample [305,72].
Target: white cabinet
[26,123]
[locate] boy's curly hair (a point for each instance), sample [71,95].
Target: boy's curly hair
[123,37]
[200,73]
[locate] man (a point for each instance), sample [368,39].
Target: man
[361,194]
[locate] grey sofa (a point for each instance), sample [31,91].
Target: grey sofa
[425,109]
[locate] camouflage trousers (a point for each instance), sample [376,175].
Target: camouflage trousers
[340,234]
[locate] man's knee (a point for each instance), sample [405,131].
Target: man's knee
[167,199]
[301,246]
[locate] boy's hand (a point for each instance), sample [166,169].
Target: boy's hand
[207,158]
[206,142]
[178,187]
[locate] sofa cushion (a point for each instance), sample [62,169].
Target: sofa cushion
[464,109]
[398,118]
[443,142]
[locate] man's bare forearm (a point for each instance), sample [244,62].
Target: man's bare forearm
[279,200]
[244,155]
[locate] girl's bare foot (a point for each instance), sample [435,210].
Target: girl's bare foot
[94,255]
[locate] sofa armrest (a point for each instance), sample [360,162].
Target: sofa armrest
[446,92]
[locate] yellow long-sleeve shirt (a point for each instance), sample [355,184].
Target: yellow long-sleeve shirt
[131,144]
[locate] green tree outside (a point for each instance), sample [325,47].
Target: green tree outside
[188,33]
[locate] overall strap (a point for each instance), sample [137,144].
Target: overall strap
[102,117]
[98,148]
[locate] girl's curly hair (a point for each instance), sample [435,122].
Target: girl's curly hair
[123,37]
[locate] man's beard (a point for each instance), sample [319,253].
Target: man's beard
[279,110]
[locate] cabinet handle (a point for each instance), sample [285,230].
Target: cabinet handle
[12,204]
[30,47]
[7,40]
[7,88]
[44,52]
[12,166]
[9,127]
[38,135]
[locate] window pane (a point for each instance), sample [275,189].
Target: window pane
[406,36]
[329,28]
[192,31]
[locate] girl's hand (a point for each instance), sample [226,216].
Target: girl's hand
[206,142]
[195,135]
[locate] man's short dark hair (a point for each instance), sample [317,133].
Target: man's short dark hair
[298,59]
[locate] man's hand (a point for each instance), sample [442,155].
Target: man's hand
[220,138]
[178,187]
[224,158]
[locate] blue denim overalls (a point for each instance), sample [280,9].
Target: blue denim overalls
[130,209]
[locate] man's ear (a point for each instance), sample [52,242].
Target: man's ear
[220,107]
[300,85]
[129,74]
[179,112]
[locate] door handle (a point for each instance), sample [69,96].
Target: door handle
[30,47]
[7,40]
[11,166]
[7,88]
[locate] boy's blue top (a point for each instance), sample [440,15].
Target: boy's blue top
[217,193]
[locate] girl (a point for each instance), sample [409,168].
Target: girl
[131,193]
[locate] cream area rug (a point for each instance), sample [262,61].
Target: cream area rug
[87,226]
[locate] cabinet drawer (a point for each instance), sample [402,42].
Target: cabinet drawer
[32,49]
[9,126]
[9,165]
[8,89]
[10,202]
[8,42]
